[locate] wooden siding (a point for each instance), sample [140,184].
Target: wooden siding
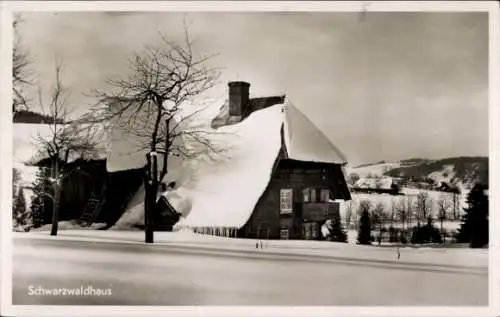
[297,176]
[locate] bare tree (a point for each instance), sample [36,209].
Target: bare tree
[423,208]
[456,202]
[392,215]
[401,212]
[444,206]
[165,81]
[379,217]
[20,73]
[64,141]
[410,209]
[348,214]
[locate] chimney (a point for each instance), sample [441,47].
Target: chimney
[238,100]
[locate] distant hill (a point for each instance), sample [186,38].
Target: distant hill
[26,116]
[465,171]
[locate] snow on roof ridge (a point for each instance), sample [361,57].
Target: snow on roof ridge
[313,147]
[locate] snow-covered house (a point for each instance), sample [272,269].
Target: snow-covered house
[280,176]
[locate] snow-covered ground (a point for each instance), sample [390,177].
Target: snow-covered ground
[372,170]
[189,269]
[186,238]
[445,175]
[69,225]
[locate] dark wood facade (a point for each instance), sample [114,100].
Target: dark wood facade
[90,179]
[313,187]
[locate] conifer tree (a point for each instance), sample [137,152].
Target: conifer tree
[41,204]
[337,232]
[364,233]
[19,212]
[474,227]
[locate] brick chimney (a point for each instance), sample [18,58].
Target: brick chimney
[238,100]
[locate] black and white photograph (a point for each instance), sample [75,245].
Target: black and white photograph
[245,157]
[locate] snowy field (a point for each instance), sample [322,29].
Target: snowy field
[428,255]
[372,170]
[189,269]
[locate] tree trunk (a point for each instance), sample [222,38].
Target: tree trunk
[57,195]
[147,213]
[55,211]
[380,234]
[442,232]
[148,206]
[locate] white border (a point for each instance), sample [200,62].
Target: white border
[7,7]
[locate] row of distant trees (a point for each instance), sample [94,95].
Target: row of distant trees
[473,229]
[406,210]
[165,81]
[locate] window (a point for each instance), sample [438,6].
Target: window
[310,230]
[324,195]
[314,230]
[306,231]
[313,195]
[310,195]
[307,195]
[286,200]
[284,234]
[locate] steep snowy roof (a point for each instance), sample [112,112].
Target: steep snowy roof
[223,190]
[305,142]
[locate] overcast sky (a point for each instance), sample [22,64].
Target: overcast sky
[385,86]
